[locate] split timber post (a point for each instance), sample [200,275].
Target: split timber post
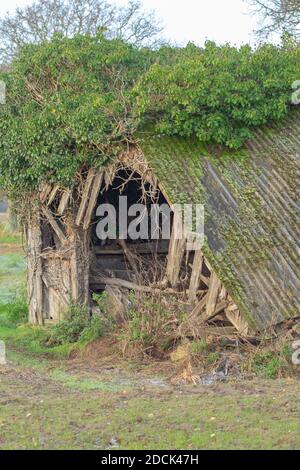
[34,270]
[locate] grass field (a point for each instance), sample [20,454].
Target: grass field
[98,401]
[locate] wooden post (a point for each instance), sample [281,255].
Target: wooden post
[176,250]
[34,271]
[195,276]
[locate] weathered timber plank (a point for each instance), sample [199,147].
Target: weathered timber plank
[53,194]
[195,276]
[85,196]
[54,224]
[93,199]
[213,293]
[64,201]
[176,251]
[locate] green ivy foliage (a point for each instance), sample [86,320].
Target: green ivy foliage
[219,93]
[68,105]
[75,102]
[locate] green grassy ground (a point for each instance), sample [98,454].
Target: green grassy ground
[49,402]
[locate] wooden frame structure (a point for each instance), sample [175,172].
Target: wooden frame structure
[61,262]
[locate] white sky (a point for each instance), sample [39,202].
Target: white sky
[192,20]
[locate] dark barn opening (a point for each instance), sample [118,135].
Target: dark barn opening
[116,254]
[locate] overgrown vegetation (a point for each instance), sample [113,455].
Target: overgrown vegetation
[75,102]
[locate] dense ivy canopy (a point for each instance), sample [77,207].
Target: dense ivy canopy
[76,102]
[68,104]
[218,93]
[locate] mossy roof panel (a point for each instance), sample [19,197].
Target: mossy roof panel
[252,210]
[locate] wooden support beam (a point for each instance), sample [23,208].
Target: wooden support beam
[45,191]
[195,276]
[237,320]
[93,199]
[199,307]
[157,247]
[64,201]
[85,196]
[176,250]
[48,214]
[52,194]
[213,293]
[117,282]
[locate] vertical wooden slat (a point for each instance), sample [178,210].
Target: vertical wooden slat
[34,271]
[176,250]
[85,196]
[64,201]
[195,276]
[93,199]
[213,293]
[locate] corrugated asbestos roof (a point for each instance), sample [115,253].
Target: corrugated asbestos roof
[252,208]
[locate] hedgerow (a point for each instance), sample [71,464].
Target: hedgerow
[75,102]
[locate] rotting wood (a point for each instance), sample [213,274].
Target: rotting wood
[199,307]
[93,199]
[45,191]
[117,282]
[34,272]
[205,280]
[48,214]
[64,201]
[53,194]
[85,196]
[195,276]
[213,293]
[238,321]
[176,251]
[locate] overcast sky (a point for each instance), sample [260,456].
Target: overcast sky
[192,20]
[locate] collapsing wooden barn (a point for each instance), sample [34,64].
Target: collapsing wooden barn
[248,270]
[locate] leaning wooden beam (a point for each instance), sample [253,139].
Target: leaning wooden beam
[45,191]
[237,320]
[116,282]
[54,224]
[53,194]
[195,276]
[199,307]
[85,196]
[93,199]
[64,201]
[213,293]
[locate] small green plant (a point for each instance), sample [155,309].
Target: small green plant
[273,363]
[15,312]
[70,329]
[199,347]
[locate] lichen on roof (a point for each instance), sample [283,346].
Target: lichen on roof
[251,200]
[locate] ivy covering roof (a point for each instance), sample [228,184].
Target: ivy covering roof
[252,207]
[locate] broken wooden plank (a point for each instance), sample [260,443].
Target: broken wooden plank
[199,307]
[213,293]
[64,201]
[52,194]
[117,282]
[93,199]
[195,276]
[45,191]
[85,196]
[238,321]
[48,214]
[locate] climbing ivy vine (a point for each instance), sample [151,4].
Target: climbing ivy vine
[74,102]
